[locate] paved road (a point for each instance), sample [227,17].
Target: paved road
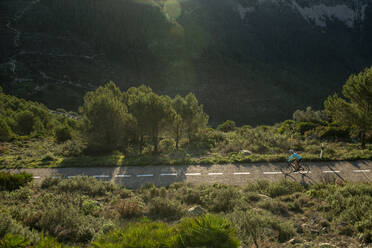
[132,177]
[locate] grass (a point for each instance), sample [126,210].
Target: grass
[48,154]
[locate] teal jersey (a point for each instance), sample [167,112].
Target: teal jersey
[294,156]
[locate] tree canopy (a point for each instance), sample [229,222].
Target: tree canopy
[356,110]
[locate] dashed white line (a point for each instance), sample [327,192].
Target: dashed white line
[146,175]
[36,177]
[192,174]
[101,176]
[123,176]
[168,174]
[361,171]
[331,171]
[215,174]
[302,172]
[272,172]
[242,173]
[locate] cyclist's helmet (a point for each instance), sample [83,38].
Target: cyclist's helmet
[291,151]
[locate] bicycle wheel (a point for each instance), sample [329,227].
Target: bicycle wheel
[288,169]
[305,167]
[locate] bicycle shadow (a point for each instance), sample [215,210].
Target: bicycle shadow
[305,178]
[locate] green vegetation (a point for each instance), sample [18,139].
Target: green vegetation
[357,112]
[140,127]
[13,181]
[85,212]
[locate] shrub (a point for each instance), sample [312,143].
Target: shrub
[73,147]
[6,133]
[165,208]
[130,207]
[350,204]
[254,226]
[63,133]
[140,235]
[275,207]
[219,198]
[25,122]
[14,241]
[189,195]
[207,231]
[50,182]
[65,222]
[303,127]
[227,126]
[14,181]
[86,185]
[334,132]
[10,226]
[47,242]
[284,187]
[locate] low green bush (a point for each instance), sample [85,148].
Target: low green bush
[351,204]
[50,182]
[284,187]
[227,126]
[130,207]
[86,185]
[303,127]
[6,133]
[11,182]
[253,226]
[66,222]
[144,234]
[219,198]
[14,241]
[207,231]
[165,208]
[274,206]
[63,133]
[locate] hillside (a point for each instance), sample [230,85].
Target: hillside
[247,60]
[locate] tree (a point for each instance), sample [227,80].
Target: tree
[106,118]
[152,112]
[355,111]
[194,116]
[178,125]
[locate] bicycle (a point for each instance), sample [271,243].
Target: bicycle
[291,168]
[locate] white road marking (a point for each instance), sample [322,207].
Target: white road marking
[36,177]
[101,176]
[331,171]
[146,175]
[215,173]
[169,174]
[192,174]
[302,172]
[242,173]
[272,173]
[123,176]
[361,171]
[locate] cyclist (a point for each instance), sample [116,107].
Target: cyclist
[294,157]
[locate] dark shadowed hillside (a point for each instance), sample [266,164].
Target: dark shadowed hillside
[253,61]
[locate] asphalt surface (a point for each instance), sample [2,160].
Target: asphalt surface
[133,177]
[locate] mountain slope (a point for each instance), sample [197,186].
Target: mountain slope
[253,61]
